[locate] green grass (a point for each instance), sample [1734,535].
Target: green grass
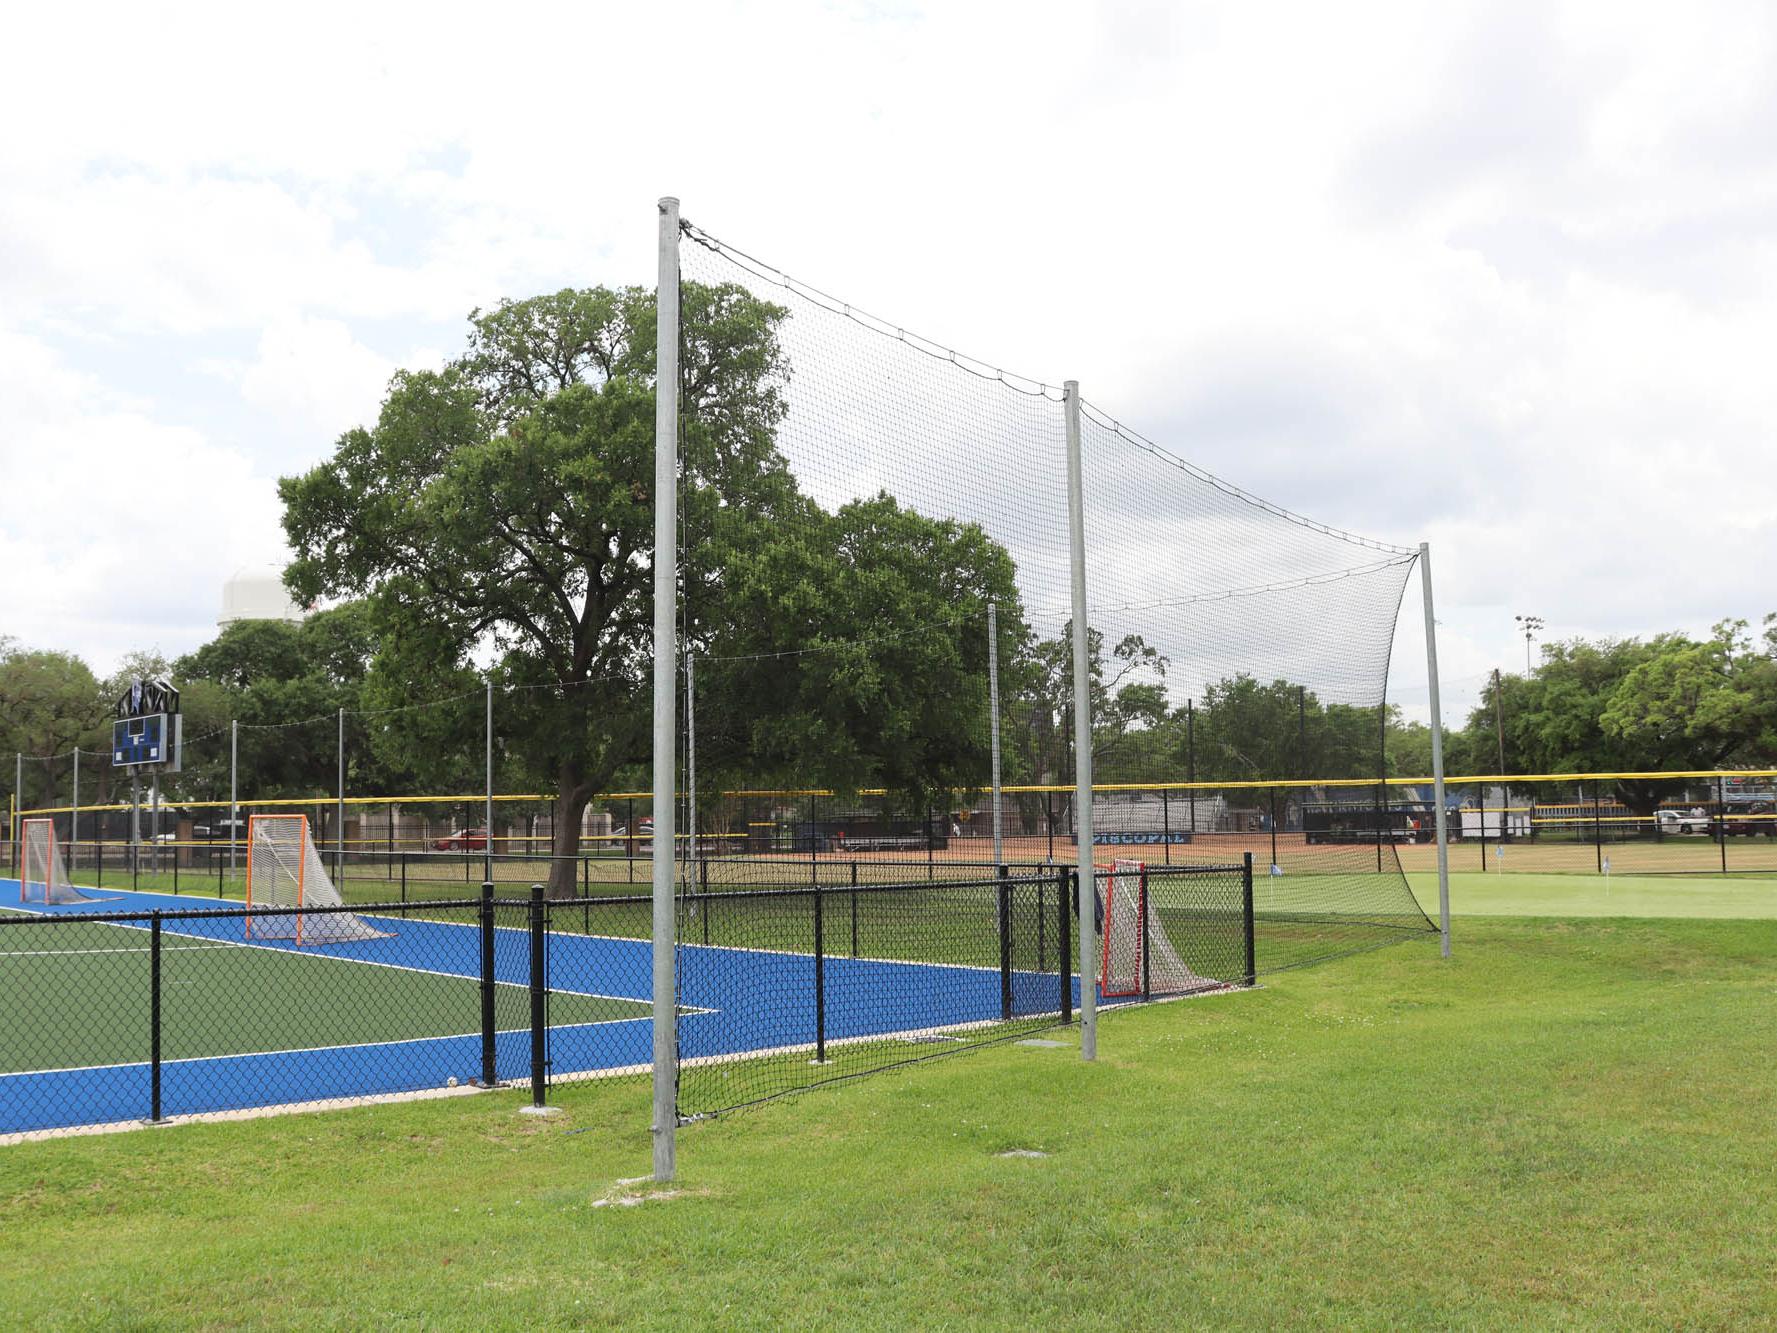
[1571,1123]
[224,999]
[1565,895]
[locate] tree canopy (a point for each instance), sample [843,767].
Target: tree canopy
[500,512]
[1670,702]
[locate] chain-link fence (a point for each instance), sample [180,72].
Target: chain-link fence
[139,1013]
[785,987]
[125,1008]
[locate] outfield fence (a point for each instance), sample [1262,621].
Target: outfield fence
[1692,823]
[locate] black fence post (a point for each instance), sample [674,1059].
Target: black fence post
[1481,807]
[1063,949]
[403,876]
[703,897]
[1721,811]
[1141,901]
[489,1074]
[820,981]
[154,1115]
[1042,925]
[1166,824]
[1005,912]
[1246,913]
[539,998]
[854,909]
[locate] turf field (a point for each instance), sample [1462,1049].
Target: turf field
[1571,1123]
[224,997]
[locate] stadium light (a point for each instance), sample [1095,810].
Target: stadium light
[1530,625]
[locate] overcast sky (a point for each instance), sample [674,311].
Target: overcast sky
[1495,276]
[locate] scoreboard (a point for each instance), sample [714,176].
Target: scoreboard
[148,730]
[139,740]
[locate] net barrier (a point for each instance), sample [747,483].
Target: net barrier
[836,640]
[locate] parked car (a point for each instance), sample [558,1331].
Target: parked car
[1693,820]
[1753,820]
[463,840]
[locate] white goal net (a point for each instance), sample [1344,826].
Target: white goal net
[43,875]
[285,871]
[1139,956]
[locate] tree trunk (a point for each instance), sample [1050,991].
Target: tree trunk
[572,796]
[1644,797]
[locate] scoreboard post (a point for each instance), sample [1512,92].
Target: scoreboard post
[147,733]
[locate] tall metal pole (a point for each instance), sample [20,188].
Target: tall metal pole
[666,544]
[993,710]
[691,763]
[1088,887]
[234,804]
[74,818]
[339,816]
[1440,815]
[487,823]
[18,803]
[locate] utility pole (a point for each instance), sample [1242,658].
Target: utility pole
[1499,722]
[1499,731]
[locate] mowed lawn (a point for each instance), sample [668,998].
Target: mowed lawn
[1573,1122]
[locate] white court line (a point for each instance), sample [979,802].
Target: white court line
[213,942]
[314,1050]
[77,953]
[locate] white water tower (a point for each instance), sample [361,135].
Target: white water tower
[257,592]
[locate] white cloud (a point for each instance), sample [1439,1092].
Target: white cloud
[1499,276]
[119,530]
[315,371]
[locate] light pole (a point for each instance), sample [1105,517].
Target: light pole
[1530,625]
